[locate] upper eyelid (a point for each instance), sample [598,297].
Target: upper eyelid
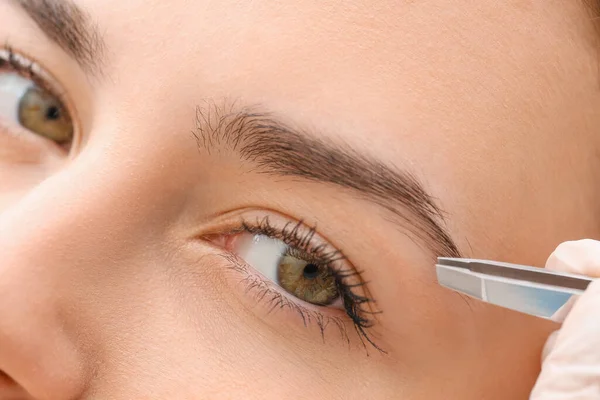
[32,70]
[306,242]
[228,224]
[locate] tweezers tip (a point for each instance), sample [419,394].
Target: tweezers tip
[453,262]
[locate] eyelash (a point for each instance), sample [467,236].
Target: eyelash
[301,240]
[26,68]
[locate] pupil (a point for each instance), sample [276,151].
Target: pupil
[311,271]
[53,113]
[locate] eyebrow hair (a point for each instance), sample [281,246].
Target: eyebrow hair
[69,27]
[278,149]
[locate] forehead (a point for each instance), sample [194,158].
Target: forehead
[349,65]
[396,62]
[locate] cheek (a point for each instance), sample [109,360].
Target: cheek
[184,327]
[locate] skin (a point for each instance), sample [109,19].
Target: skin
[109,290]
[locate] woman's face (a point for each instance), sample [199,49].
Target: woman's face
[245,199]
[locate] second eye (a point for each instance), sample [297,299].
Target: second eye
[27,104]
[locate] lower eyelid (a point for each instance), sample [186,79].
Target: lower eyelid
[34,145]
[271,298]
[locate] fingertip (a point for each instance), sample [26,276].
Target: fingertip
[577,257]
[557,260]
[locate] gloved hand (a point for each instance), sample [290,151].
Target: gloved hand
[571,357]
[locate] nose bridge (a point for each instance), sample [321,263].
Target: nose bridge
[47,241]
[53,226]
[74,217]
[66,246]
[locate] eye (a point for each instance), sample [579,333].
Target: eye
[292,257]
[300,274]
[25,102]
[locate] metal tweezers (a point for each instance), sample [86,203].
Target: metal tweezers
[530,290]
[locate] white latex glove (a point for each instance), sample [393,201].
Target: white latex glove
[571,358]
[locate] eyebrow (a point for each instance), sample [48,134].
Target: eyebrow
[70,28]
[278,149]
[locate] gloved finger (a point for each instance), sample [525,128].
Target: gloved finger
[577,257]
[569,257]
[558,316]
[571,368]
[571,357]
